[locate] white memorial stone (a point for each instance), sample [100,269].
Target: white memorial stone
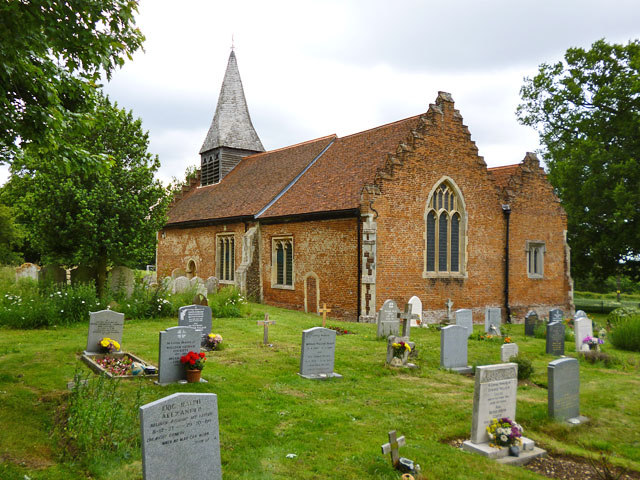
[416,309]
[583,328]
[507,351]
[318,353]
[492,316]
[464,318]
[105,323]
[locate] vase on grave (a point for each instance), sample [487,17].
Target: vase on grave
[193,375]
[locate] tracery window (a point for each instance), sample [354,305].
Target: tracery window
[226,258]
[282,262]
[535,259]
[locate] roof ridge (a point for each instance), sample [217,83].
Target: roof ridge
[382,126]
[295,145]
[503,166]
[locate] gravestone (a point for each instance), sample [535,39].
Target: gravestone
[178,272]
[405,318]
[453,348]
[388,323]
[507,351]
[403,361]
[200,299]
[174,343]
[52,275]
[196,316]
[563,381]
[27,270]
[556,315]
[555,338]
[181,285]
[196,281]
[265,331]
[121,279]
[212,284]
[449,305]
[105,323]
[82,274]
[180,437]
[580,314]
[464,318]
[416,309]
[583,328]
[530,322]
[149,279]
[492,316]
[318,353]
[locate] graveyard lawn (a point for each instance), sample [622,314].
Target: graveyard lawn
[334,427]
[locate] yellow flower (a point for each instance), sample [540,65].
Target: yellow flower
[116,344]
[406,345]
[104,342]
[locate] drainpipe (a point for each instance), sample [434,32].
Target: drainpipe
[506,210]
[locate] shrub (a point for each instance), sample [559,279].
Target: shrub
[227,303]
[626,335]
[144,302]
[525,367]
[621,314]
[594,356]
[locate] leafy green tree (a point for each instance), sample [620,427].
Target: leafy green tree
[52,54]
[587,112]
[96,218]
[11,236]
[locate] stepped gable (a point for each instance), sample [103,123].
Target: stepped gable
[231,125]
[335,181]
[251,185]
[510,178]
[502,174]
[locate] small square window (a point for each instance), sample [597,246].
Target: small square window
[535,259]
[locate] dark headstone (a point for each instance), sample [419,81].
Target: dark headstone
[530,322]
[555,338]
[556,315]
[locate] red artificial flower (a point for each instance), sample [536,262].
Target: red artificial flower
[202,355]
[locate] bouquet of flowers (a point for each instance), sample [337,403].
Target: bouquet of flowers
[504,432]
[193,360]
[399,348]
[213,341]
[592,341]
[109,345]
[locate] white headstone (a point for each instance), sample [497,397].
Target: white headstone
[27,270]
[416,309]
[181,285]
[464,318]
[212,285]
[580,314]
[174,343]
[318,353]
[104,324]
[180,437]
[507,351]
[492,316]
[583,328]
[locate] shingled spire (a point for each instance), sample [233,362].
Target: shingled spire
[231,135]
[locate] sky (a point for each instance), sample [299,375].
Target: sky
[314,68]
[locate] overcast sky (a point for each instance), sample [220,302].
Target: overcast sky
[313,68]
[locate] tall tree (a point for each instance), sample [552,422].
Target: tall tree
[52,54]
[100,217]
[587,112]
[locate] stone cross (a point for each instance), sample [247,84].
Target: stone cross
[449,304]
[324,310]
[406,318]
[266,322]
[392,447]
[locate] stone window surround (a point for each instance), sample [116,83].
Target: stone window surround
[462,211]
[274,267]
[219,260]
[530,246]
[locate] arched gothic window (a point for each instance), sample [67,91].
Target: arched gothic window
[445,232]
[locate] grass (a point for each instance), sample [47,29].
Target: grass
[335,427]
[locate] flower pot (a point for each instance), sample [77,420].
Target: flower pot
[193,376]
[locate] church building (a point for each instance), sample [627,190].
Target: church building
[408,208]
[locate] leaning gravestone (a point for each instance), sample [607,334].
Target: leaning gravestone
[27,270]
[555,338]
[180,437]
[507,351]
[556,315]
[531,321]
[174,343]
[181,285]
[196,316]
[121,279]
[83,274]
[492,316]
[563,380]
[318,353]
[464,318]
[388,323]
[416,309]
[178,272]
[583,328]
[212,284]
[105,323]
[453,348]
[52,275]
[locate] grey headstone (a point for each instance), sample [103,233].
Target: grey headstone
[180,437]
[178,272]
[196,281]
[318,353]
[388,323]
[82,274]
[494,396]
[52,275]
[167,282]
[150,278]
[556,315]
[212,284]
[492,316]
[464,318]
[105,323]
[174,343]
[563,381]
[453,348]
[580,314]
[27,270]
[121,279]
[530,323]
[196,316]
[181,285]
[583,327]
[405,357]
[416,309]
[555,338]
[507,351]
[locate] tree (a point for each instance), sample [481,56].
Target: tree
[52,54]
[10,237]
[97,218]
[587,112]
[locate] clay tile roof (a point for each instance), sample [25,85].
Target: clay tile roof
[251,185]
[335,180]
[502,174]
